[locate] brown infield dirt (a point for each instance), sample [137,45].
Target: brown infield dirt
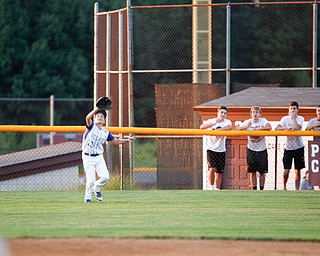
[155,247]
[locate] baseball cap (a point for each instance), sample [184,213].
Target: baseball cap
[103,112]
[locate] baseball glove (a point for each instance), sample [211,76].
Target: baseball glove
[104,103]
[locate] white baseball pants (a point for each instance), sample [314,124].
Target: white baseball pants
[93,164]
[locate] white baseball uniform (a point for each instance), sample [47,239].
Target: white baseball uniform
[93,160]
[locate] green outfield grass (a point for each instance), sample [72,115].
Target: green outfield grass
[228,214]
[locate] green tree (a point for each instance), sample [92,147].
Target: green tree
[46,51]
[13,42]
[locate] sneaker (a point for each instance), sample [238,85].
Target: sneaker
[87,200]
[98,195]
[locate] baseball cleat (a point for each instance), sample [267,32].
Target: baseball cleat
[98,195]
[87,200]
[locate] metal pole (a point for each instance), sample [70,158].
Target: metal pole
[195,74]
[108,60]
[130,51]
[314,45]
[228,30]
[130,85]
[51,118]
[276,163]
[95,54]
[120,33]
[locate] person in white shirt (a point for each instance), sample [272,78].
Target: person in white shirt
[92,153]
[314,124]
[294,148]
[257,155]
[216,147]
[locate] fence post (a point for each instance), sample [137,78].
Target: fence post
[130,83]
[108,60]
[95,53]
[120,67]
[314,45]
[228,39]
[52,118]
[275,163]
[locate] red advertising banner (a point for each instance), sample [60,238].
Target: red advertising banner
[314,162]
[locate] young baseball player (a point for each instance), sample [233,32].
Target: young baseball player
[92,153]
[216,147]
[257,154]
[294,147]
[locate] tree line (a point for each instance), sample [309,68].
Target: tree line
[46,47]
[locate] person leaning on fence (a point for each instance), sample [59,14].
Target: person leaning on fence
[92,153]
[305,182]
[294,148]
[216,147]
[257,155]
[314,124]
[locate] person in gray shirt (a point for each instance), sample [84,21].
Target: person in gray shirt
[314,124]
[305,183]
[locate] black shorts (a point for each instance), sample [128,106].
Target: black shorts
[297,155]
[257,161]
[216,160]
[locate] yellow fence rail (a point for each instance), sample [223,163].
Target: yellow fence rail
[158,131]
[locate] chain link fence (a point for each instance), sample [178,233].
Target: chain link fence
[43,111]
[29,162]
[264,45]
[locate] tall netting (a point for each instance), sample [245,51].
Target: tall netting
[259,39]
[264,44]
[150,62]
[166,50]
